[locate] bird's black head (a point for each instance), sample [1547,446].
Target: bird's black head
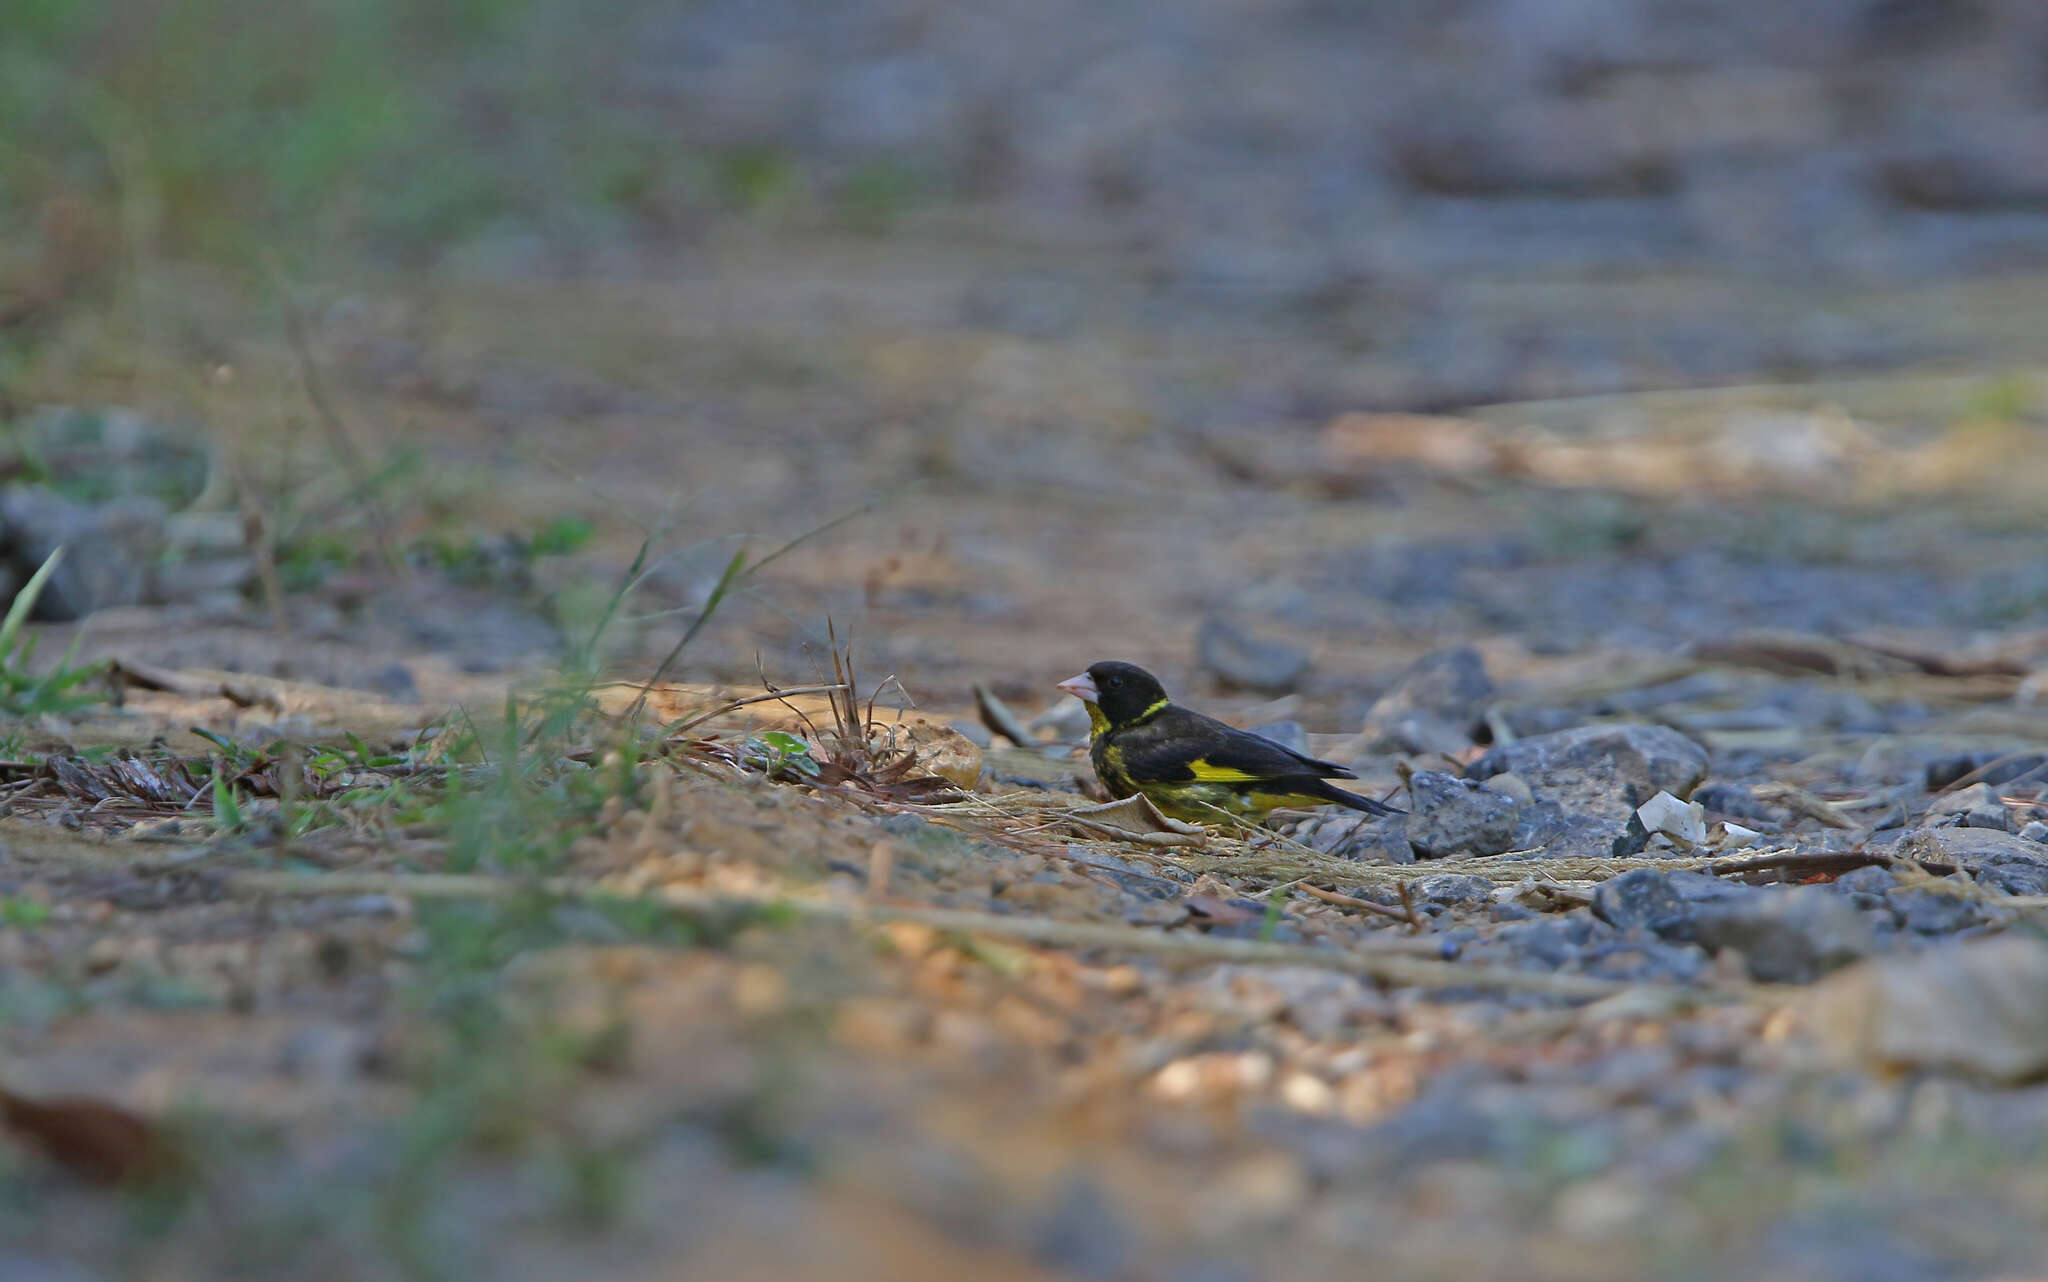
[1124,692]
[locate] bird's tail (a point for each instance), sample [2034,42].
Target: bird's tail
[1337,796]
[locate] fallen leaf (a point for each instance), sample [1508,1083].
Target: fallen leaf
[1134,816]
[94,1140]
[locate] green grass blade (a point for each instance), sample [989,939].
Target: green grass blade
[25,602]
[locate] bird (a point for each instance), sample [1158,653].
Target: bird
[1194,767]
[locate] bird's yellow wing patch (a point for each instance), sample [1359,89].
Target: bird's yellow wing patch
[1209,772]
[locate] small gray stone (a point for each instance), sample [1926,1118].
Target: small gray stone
[1976,806]
[1549,944]
[1639,899]
[1236,658]
[1433,706]
[1511,785]
[1866,887]
[1441,891]
[2035,831]
[1661,902]
[1930,912]
[1350,835]
[109,548]
[2002,861]
[1452,816]
[1786,937]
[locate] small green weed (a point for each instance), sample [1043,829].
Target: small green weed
[15,911]
[24,693]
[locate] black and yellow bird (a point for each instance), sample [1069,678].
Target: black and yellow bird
[1195,767]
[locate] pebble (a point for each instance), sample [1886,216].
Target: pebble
[1785,936]
[1435,705]
[1443,891]
[1657,901]
[1934,912]
[1452,816]
[1976,806]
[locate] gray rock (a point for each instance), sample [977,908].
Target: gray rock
[1660,902]
[1236,658]
[1544,826]
[1435,894]
[2035,831]
[1732,801]
[1588,782]
[1931,912]
[2002,861]
[109,548]
[1785,936]
[1512,786]
[1452,816]
[1549,944]
[1433,706]
[1350,835]
[1976,806]
[1866,888]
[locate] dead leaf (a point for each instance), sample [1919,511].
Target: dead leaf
[1135,818]
[94,1140]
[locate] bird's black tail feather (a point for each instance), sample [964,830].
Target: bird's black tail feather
[1338,796]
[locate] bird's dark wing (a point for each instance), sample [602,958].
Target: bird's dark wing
[1179,746]
[1260,758]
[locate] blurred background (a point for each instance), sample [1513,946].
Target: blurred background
[1098,283]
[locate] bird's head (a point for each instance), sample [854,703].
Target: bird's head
[1124,692]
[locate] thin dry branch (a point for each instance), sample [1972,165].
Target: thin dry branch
[1350,901]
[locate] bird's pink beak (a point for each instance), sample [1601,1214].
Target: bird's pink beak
[1082,688]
